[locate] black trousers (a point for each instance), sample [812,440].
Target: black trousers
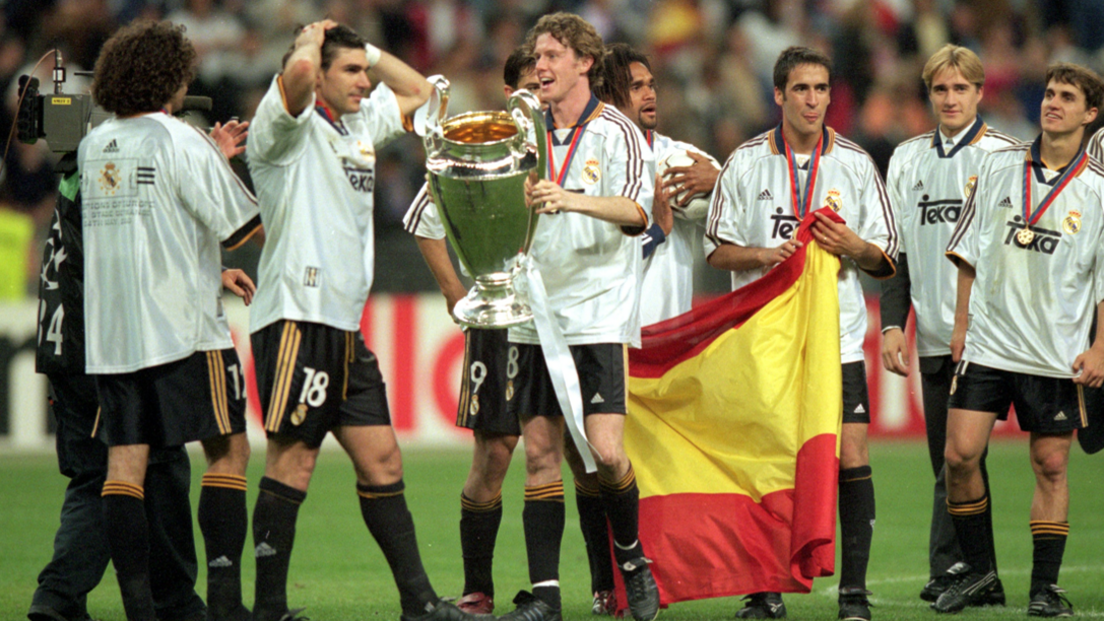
[81,553]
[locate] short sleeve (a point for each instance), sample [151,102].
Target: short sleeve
[423,219]
[275,136]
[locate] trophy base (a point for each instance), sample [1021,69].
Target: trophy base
[493,303]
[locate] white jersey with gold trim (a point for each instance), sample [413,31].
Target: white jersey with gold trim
[314,177]
[667,289]
[928,183]
[1032,304]
[158,199]
[591,268]
[1095,146]
[422,218]
[752,207]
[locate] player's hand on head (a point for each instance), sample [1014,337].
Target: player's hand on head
[661,208]
[230,137]
[696,179]
[895,352]
[1090,366]
[240,284]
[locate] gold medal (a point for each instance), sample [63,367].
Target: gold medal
[1025,236]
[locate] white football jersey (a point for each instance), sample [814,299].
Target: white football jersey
[929,179]
[158,198]
[314,178]
[752,207]
[1095,147]
[422,219]
[667,289]
[1031,305]
[591,268]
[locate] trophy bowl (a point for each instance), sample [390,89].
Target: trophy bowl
[477,165]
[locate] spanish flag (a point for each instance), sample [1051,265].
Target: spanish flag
[734,413]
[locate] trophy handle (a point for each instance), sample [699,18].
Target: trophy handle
[526,110]
[431,132]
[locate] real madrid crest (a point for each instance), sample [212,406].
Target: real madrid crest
[110,178]
[1072,222]
[366,152]
[833,200]
[970,185]
[592,173]
[299,415]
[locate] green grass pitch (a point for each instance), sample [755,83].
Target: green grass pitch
[338,573]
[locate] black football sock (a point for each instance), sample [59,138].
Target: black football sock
[543,519]
[128,537]
[969,521]
[856,511]
[389,521]
[1049,542]
[479,522]
[223,520]
[592,521]
[622,501]
[274,518]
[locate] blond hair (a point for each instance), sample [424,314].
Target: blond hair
[953,56]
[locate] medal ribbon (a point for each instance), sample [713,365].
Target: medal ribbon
[801,199]
[1072,170]
[577,133]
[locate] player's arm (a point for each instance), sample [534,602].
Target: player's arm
[619,210]
[410,87]
[838,239]
[302,69]
[735,258]
[966,276]
[895,304]
[436,256]
[1089,364]
[239,283]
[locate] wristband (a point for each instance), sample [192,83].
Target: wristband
[373,53]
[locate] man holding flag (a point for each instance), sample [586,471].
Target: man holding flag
[767,187]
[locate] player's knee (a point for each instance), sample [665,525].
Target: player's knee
[959,461]
[1051,468]
[611,460]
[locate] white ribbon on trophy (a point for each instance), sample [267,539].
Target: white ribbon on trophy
[557,357]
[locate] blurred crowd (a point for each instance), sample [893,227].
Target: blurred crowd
[712,59]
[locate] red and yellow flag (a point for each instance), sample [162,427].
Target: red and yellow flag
[734,413]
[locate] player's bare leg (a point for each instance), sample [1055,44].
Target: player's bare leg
[224,522]
[481,515]
[1049,521]
[127,528]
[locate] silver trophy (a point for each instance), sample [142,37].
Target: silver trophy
[477,166]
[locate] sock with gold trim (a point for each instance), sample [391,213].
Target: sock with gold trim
[969,522]
[543,519]
[592,521]
[389,521]
[274,518]
[223,520]
[127,528]
[622,502]
[479,522]
[1049,542]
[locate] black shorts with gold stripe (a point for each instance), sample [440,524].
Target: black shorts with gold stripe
[313,378]
[1043,404]
[199,397]
[602,368]
[487,354]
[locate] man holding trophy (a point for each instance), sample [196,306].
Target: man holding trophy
[595,200]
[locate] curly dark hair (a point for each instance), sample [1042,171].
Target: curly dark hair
[142,66]
[616,87]
[576,33]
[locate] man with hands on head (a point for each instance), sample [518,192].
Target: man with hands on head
[312,157]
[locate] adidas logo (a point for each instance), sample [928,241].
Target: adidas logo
[1007,202]
[222,561]
[1060,416]
[860,409]
[597,398]
[919,186]
[765,195]
[264,550]
[111,147]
